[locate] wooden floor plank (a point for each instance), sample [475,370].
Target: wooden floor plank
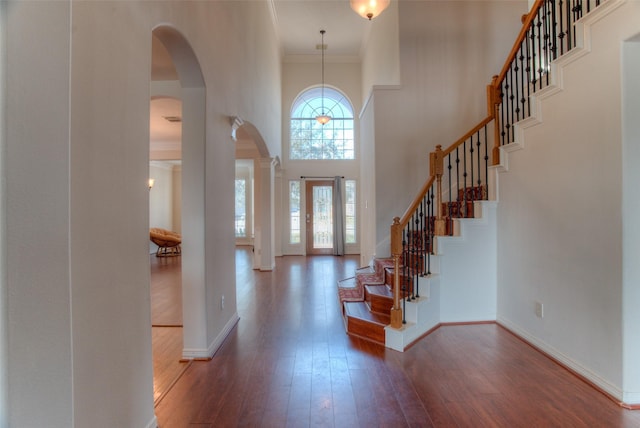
[289,363]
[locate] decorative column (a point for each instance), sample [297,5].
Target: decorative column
[265,243]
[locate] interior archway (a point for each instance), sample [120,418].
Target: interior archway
[193,95]
[250,144]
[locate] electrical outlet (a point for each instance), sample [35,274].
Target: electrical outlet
[539,310]
[222,302]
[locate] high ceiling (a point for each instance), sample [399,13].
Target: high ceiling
[298,24]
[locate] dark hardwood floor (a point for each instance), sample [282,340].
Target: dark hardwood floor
[166,322]
[289,363]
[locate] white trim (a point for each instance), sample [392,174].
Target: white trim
[201,353]
[563,359]
[631,398]
[370,96]
[267,268]
[153,423]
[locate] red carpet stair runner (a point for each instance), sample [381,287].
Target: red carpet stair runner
[361,318]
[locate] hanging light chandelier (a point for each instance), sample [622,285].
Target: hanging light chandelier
[323,118]
[369,9]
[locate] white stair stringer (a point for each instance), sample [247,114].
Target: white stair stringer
[463,283]
[422,315]
[556,78]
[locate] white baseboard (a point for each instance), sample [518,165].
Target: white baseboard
[599,382]
[201,353]
[153,423]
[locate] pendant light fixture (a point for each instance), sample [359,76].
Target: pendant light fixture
[323,118]
[369,9]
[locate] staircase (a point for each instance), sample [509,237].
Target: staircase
[448,204]
[461,285]
[367,297]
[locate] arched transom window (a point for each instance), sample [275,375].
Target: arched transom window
[312,140]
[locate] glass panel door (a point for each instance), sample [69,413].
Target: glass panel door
[319,221]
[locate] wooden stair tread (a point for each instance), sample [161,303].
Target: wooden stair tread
[360,310]
[347,282]
[366,269]
[380,290]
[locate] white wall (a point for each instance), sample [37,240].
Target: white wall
[165,204]
[367,197]
[161,196]
[4,393]
[76,189]
[36,176]
[176,206]
[244,171]
[630,216]
[381,56]
[561,227]
[445,69]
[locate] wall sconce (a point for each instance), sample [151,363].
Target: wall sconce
[151,182]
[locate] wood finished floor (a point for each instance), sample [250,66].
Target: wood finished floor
[166,321]
[289,363]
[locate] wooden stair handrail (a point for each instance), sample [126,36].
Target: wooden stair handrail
[402,221]
[468,135]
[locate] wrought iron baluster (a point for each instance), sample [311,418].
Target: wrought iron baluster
[465,174]
[478,143]
[516,100]
[562,33]
[523,80]
[569,13]
[529,74]
[577,14]
[403,288]
[450,184]
[429,228]
[471,178]
[554,32]
[510,112]
[546,41]
[539,66]
[534,69]
[457,174]
[503,140]
[486,161]
[423,238]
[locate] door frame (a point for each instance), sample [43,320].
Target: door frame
[309,184]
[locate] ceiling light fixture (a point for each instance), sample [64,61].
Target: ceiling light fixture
[323,118]
[369,8]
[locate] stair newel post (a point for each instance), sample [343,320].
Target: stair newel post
[436,165]
[494,98]
[396,253]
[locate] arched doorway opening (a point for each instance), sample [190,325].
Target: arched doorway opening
[187,86]
[251,146]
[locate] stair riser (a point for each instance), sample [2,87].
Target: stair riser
[367,330]
[379,304]
[388,277]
